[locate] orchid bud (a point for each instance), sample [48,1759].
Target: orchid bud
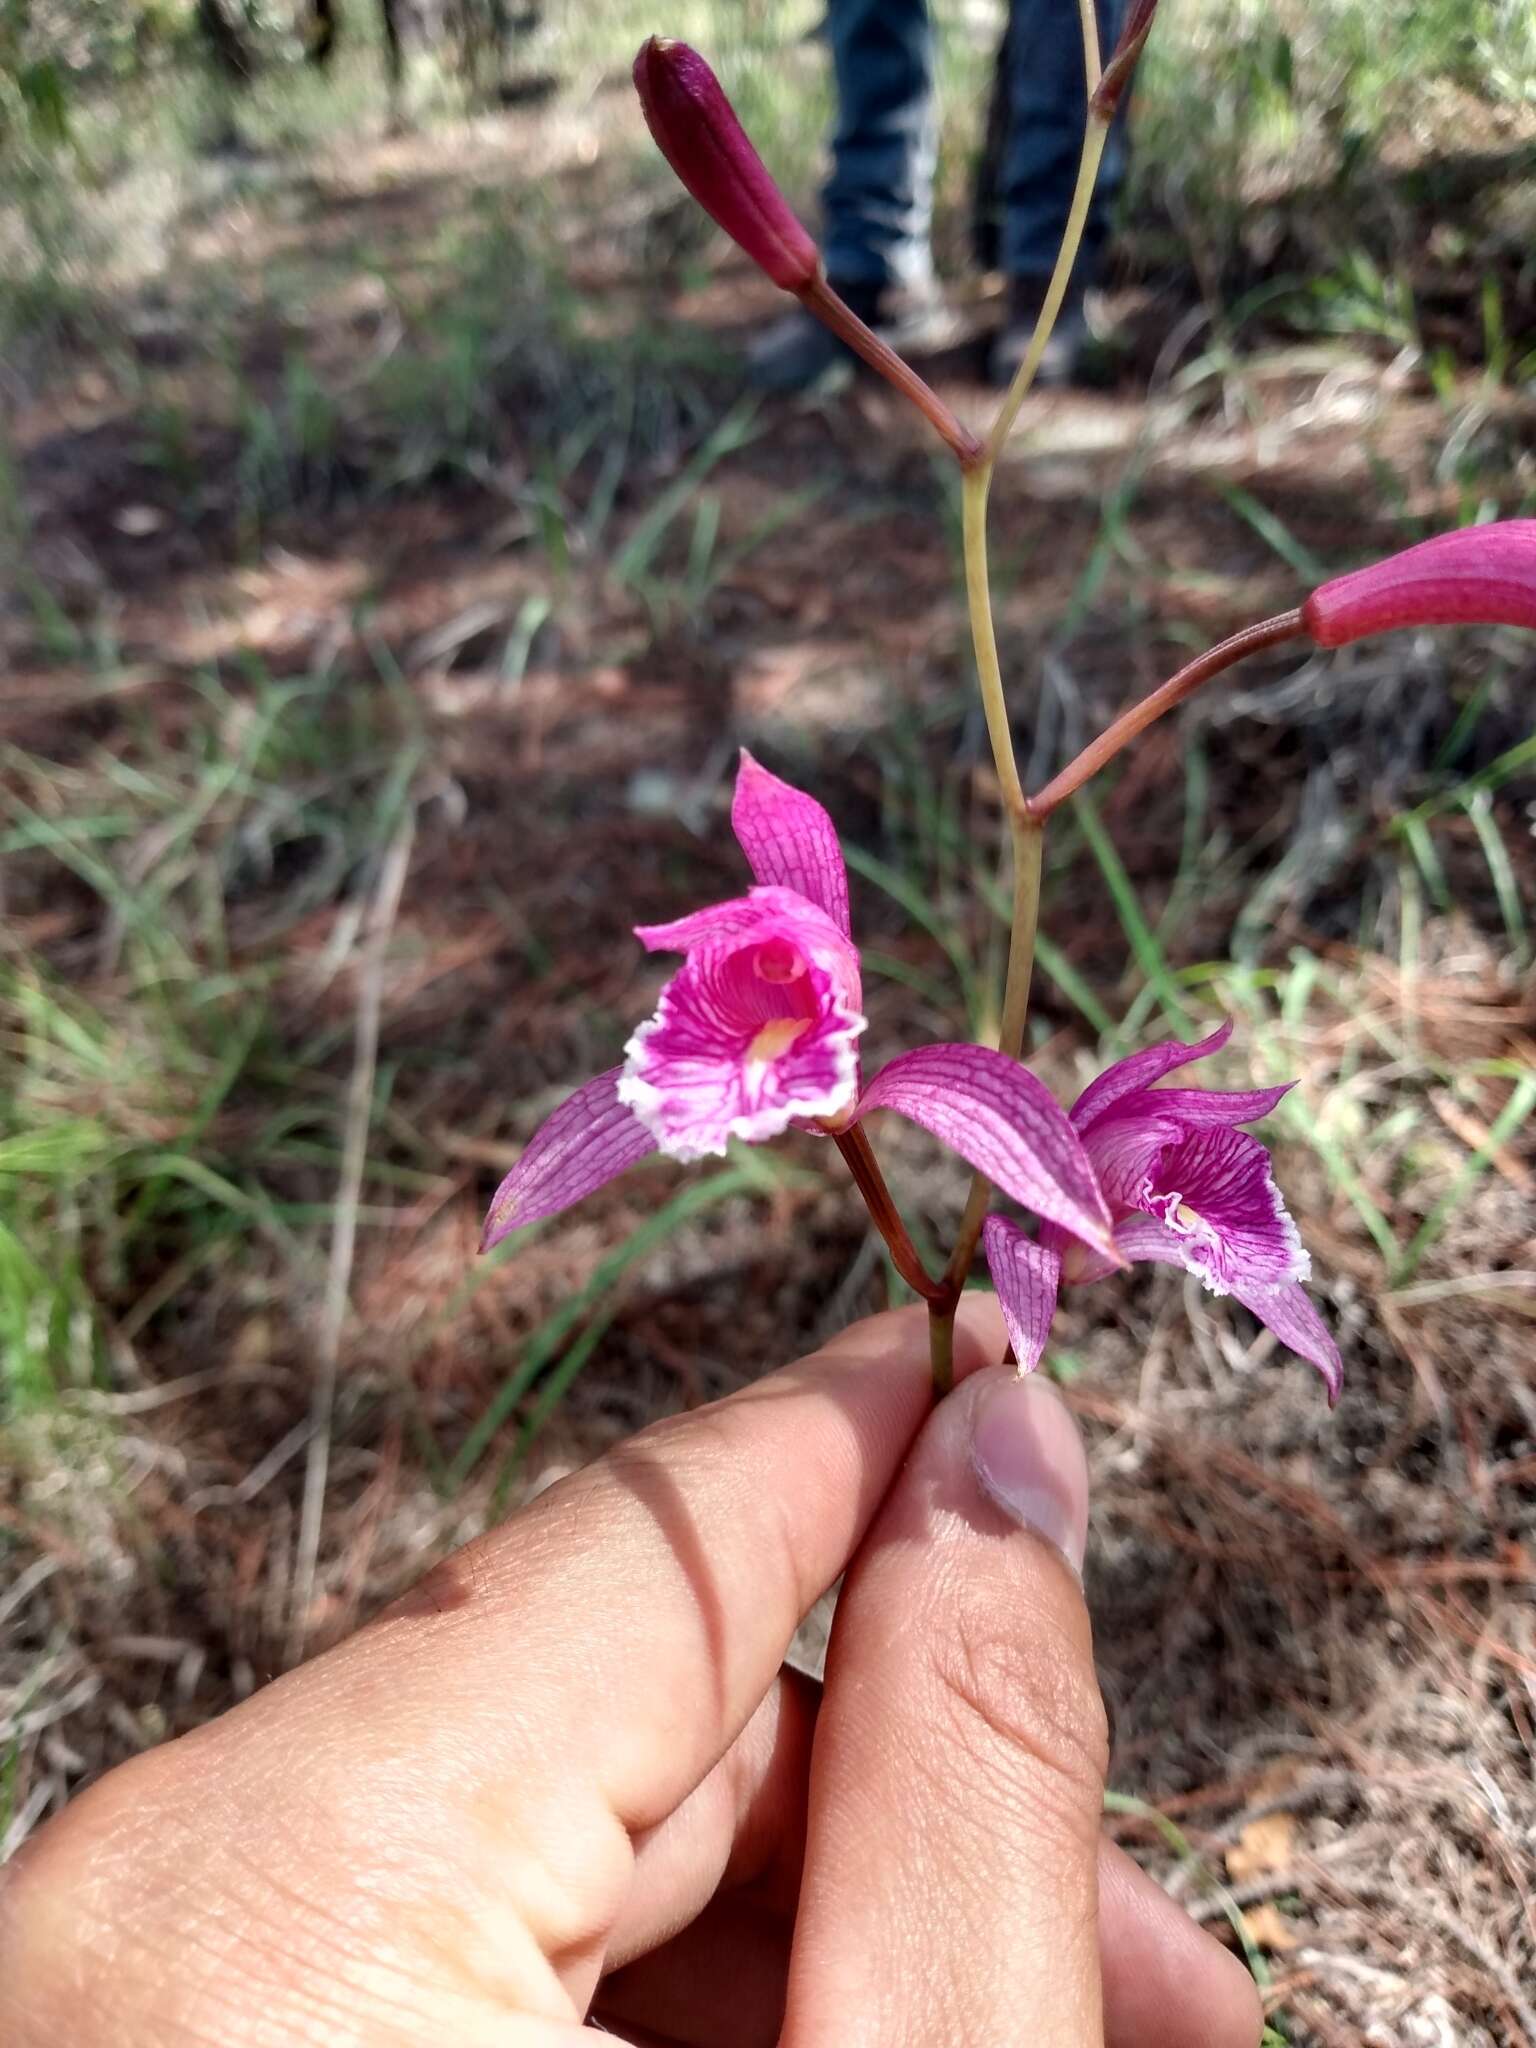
[1110,90]
[1481,575]
[696,130]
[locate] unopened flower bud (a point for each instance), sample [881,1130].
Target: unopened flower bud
[697,131]
[1110,90]
[1480,575]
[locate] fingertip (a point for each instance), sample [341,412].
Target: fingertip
[1168,1983]
[1027,1453]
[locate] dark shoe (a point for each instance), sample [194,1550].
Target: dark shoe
[797,352]
[1071,355]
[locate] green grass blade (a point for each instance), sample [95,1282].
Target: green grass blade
[1503,1128]
[905,892]
[1502,874]
[1274,533]
[1059,971]
[544,1344]
[633,561]
[1149,955]
[1176,1840]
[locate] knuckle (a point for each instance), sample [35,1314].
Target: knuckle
[1022,1702]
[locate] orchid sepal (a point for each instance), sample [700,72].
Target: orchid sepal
[1007,1125]
[1027,1276]
[589,1140]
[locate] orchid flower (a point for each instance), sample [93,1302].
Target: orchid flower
[1186,1188]
[758,1030]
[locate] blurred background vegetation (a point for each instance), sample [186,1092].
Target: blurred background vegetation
[393,561]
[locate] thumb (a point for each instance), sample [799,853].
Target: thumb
[951,1881]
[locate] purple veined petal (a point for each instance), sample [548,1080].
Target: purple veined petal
[1480,575]
[1196,1107]
[591,1138]
[733,1053]
[1286,1310]
[763,917]
[1140,1070]
[1027,1277]
[1295,1321]
[786,930]
[1005,1123]
[789,840]
[1123,1150]
[1216,1189]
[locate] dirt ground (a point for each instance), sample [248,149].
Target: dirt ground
[1317,1632]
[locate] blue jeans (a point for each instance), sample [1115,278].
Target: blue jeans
[879,198]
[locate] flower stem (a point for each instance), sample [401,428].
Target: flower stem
[1095,135]
[1028,847]
[819,298]
[1094,138]
[974,489]
[1119,734]
[941,1344]
[870,1182]
[1025,828]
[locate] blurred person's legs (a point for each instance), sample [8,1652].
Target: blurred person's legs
[1046,93]
[879,199]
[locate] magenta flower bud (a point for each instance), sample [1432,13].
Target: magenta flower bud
[1479,576]
[696,130]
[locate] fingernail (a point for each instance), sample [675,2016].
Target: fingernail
[1029,1457]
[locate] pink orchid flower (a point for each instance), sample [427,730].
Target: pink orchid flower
[1187,1188]
[758,1030]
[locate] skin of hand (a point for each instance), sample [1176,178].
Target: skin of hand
[565,1783]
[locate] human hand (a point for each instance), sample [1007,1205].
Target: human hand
[567,1775]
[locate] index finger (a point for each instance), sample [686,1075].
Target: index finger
[639,1610]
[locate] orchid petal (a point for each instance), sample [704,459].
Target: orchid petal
[1197,1107]
[732,1054]
[771,917]
[1125,1150]
[590,1139]
[1216,1189]
[1027,1276]
[789,840]
[1139,1071]
[1286,1309]
[744,921]
[1290,1314]
[1003,1122]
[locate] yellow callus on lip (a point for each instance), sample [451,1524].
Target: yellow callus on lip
[774,1040]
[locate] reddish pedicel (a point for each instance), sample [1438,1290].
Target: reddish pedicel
[1481,575]
[697,131]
